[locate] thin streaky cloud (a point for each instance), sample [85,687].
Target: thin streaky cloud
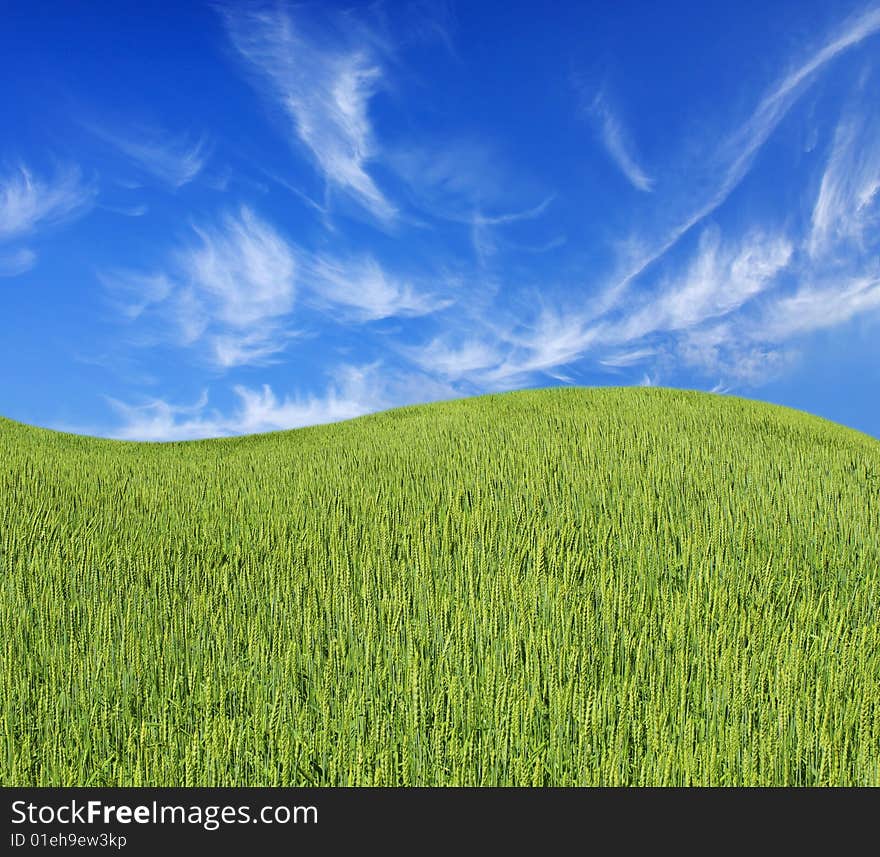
[228,292]
[259,410]
[175,161]
[514,216]
[241,283]
[132,292]
[354,390]
[28,202]
[257,348]
[719,280]
[324,89]
[452,360]
[737,154]
[779,99]
[244,270]
[625,359]
[845,206]
[482,227]
[816,307]
[17,262]
[618,144]
[126,210]
[302,195]
[362,290]
[555,339]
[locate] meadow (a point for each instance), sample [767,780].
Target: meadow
[557,587]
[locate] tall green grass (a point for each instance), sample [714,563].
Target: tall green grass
[564,587]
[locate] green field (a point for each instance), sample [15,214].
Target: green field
[557,587]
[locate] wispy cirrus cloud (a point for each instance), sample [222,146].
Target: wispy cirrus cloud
[353,390]
[174,160]
[718,280]
[239,282]
[738,303]
[618,143]
[554,339]
[258,410]
[364,291]
[733,158]
[501,353]
[132,292]
[28,202]
[467,182]
[454,360]
[243,270]
[323,85]
[483,227]
[231,291]
[847,207]
[715,283]
[820,305]
[227,292]
[17,262]
[625,359]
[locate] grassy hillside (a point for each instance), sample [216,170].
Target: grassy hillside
[570,586]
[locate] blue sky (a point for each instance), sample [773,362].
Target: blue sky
[218,219]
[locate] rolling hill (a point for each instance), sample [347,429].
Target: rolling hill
[557,587]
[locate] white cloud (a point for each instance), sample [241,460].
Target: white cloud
[227,292]
[846,206]
[17,262]
[738,305]
[175,161]
[127,210]
[814,307]
[618,144]
[725,349]
[157,420]
[499,353]
[261,410]
[240,283]
[625,359]
[482,225]
[243,272]
[467,182]
[364,291]
[248,349]
[133,292]
[743,145]
[452,177]
[553,340]
[734,157]
[454,361]
[354,391]
[231,292]
[28,202]
[719,280]
[324,89]
[752,347]
[733,309]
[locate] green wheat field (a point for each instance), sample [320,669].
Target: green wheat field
[558,587]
